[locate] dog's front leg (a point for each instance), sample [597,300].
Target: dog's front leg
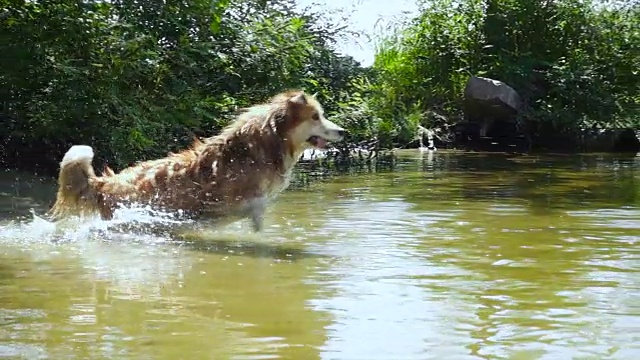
[256,210]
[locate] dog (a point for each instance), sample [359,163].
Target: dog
[224,178]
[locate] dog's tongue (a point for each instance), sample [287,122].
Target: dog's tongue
[321,143]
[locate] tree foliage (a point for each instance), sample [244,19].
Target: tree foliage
[138,78]
[576,63]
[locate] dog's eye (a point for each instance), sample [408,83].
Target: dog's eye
[316,117]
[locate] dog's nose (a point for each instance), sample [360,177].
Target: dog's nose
[341,132]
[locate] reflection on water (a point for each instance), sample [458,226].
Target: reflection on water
[453,255]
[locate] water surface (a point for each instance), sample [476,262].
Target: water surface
[451,255]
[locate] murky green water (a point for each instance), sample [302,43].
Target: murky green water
[451,256]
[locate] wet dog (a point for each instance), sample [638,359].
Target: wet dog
[224,178]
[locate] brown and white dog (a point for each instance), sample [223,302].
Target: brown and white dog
[224,178]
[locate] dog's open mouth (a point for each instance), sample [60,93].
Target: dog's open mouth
[318,142]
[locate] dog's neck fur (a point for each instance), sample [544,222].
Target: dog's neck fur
[261,143]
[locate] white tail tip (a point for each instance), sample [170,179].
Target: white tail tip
[78,153]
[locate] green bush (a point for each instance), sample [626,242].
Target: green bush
[138,78]
[574,62]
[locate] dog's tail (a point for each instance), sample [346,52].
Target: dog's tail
[76,195]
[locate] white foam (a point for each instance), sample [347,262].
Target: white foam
[136,220]
[77,153]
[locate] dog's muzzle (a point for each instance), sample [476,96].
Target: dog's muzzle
[332,131]
[326,131]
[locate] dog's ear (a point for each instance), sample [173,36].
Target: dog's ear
[315,95]
[299,99]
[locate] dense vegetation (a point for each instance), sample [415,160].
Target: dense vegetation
[138,78]
[576,63]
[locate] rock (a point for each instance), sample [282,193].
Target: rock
[490,111]
[487,100]
[491,94]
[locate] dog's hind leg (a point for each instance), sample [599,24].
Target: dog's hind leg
[256,212]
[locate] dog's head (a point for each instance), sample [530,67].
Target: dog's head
[306,125]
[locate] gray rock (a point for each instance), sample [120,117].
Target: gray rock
[491,93]
[487,103]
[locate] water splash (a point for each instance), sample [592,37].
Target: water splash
[132,251]
[135,222]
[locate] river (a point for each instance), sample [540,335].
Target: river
[449,256]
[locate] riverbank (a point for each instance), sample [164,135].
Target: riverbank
[136,83]
[356,155]
[353,158]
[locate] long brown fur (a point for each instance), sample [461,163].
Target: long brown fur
[220,176]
